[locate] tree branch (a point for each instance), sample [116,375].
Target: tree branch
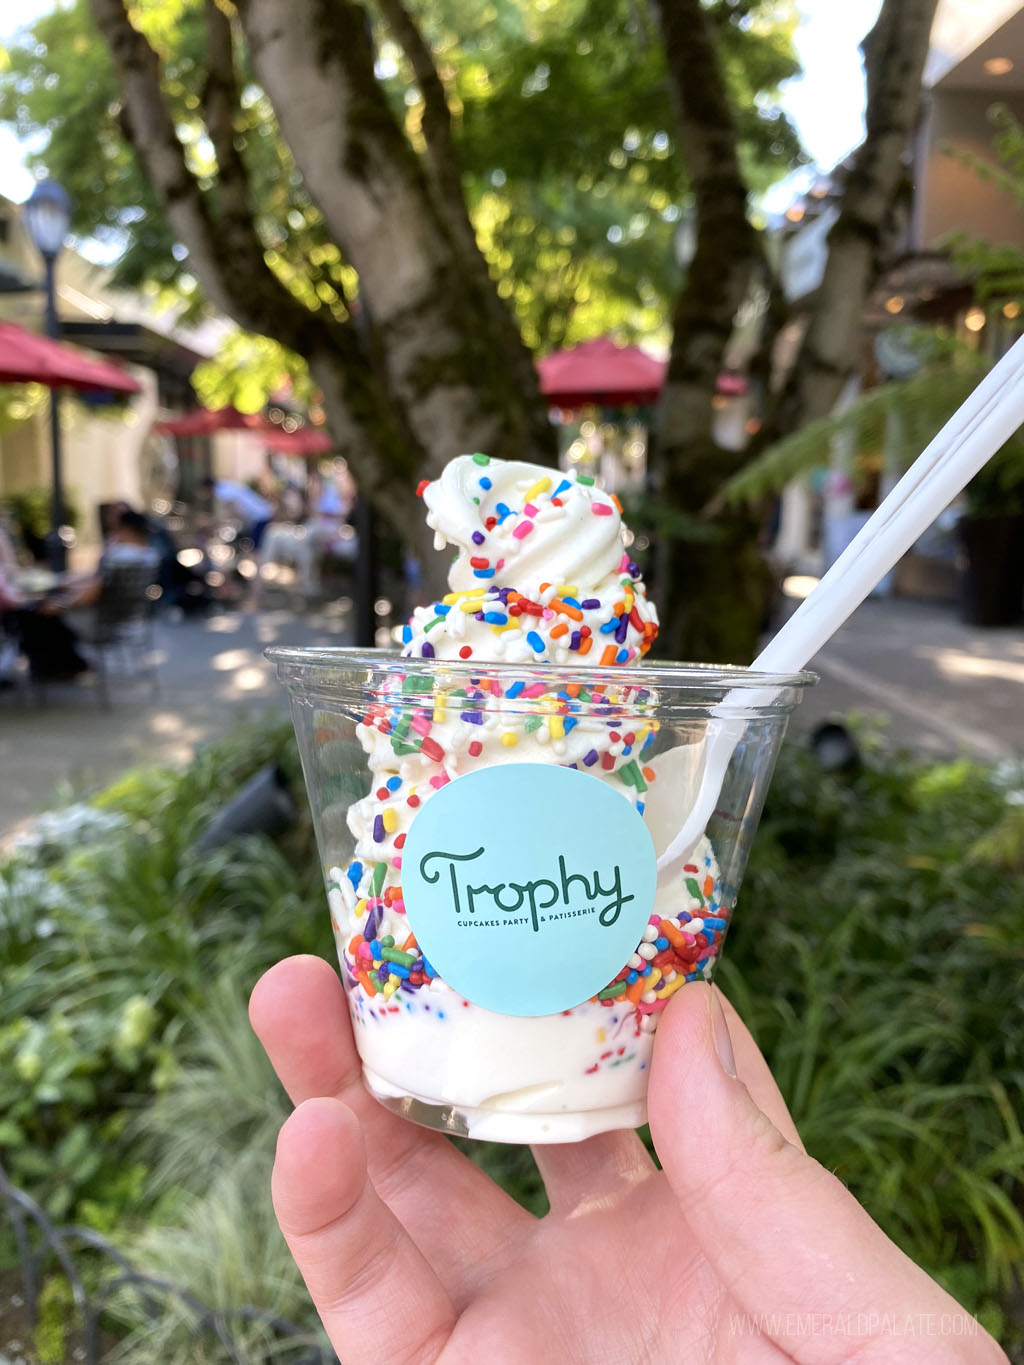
[316,62]
[233,197]
[895,52]
[150,130]
[718,614]
[220,101]
[228,257]
[442,155]
[463,386]
[445,170]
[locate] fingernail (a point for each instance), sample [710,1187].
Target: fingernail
[720,1033]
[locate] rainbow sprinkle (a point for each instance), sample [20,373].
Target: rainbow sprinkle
[672,950]
[553,622]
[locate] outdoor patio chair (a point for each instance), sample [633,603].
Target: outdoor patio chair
[121,630]
[12,674]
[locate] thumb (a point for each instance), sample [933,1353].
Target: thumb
[784,1235]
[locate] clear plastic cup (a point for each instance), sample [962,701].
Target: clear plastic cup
[545,795]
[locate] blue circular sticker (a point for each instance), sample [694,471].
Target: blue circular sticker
[528,885]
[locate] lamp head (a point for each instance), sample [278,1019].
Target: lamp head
[47,213]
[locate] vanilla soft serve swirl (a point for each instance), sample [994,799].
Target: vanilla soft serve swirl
[540,572]
[567,543]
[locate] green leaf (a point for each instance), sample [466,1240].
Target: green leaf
[11,1135]
[896,420]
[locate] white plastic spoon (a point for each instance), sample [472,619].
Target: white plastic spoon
[988,418]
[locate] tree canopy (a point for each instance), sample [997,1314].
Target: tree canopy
[563,125]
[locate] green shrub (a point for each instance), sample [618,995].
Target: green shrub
[111,930]
[211,1138]
[876,957]
[31,510]
[877,960]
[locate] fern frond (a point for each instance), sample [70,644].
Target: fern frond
[920,405]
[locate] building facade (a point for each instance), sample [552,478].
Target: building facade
[109,453]
[975,65]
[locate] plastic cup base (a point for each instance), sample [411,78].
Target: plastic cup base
[486,1124]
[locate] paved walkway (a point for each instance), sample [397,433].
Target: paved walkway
[943,688]
[940,687]
[213,676]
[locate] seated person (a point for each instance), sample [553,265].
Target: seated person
[48,643]
[331,533]
[129,543]
[8,555]
[46,640]
[288,543]
[251,508]
[182,588]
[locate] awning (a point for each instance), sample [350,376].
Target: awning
[600,372]
[306,441]
[205,421]
[28,358]
[136,343]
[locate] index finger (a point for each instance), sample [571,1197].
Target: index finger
[457,1216]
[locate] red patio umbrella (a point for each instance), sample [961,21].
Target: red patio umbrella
[306,441]
[205,421]
[609,375]
[28,358]
[600,372]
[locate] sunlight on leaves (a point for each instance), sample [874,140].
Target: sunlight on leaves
[247,370]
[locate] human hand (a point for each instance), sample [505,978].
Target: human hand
[743,1249]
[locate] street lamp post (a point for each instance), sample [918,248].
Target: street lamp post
[47,214]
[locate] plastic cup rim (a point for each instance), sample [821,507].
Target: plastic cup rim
[657,676]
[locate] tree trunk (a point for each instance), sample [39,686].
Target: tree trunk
[444,345]
[433,366]
[716,594]
[444,177]
[712,594]
[228,258]
[389,483]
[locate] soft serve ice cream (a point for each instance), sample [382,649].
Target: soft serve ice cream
[542,556]
[540,577]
